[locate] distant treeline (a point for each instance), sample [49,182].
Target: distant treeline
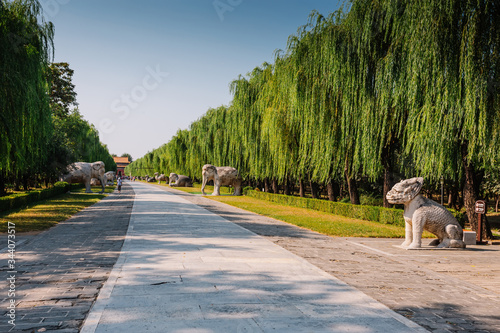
[41,130]
[382,89]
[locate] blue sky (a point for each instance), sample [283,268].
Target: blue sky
[144,69]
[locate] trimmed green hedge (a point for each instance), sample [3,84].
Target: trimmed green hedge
[19,200]
[369,213]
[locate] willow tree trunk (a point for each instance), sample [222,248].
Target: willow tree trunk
[2,185]
[452,198]
[314,190]
[333,190]
[266,185]
[288,187]
[353,189]
[388,184]
[471,194]
[301,188]
[275,187]
[388,172]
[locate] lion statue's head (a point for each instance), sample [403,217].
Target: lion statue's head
[405,191]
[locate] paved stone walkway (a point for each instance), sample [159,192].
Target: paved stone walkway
[185,269]
[442,290]
[60,271]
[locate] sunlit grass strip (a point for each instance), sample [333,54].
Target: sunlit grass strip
[325,223]
[362,212]
[196,189]
[47,213]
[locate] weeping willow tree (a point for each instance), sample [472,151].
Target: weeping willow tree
[453,93]
[36,142]
[25,116]
[385,87]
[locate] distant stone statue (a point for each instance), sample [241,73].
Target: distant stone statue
[424,214]
[222,176]
[110,177]
[160,178]
[176,180]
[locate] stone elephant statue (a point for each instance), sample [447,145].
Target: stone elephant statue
[83,172]
[222,176]
[424,214]
[176,180]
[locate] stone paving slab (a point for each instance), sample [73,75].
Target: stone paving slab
[59,272]
[185,269]
[444,291]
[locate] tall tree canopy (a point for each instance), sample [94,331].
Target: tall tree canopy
[25,115]
[39,133]
[381,89]
[62,89]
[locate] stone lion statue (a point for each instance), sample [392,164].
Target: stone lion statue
[83,172]
[176,180]
[222,176]
[424,214]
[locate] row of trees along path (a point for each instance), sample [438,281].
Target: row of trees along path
[382,89]
[41,129]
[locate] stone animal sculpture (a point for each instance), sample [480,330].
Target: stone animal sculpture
[160,178]
[222,176]
[82,172]
[110,177]
[151,179]
[176,180]
[424,214]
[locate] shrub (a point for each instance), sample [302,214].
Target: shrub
[460,216]
[370,213]
[19,200]
[246,189]
[371,200]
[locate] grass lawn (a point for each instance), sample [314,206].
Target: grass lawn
[325,223]
[328,224]
[47,213]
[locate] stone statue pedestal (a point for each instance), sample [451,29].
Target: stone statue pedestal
[469,237]
[431,248]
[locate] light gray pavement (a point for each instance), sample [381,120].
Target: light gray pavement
[442,290]
[58,273]
[184,269]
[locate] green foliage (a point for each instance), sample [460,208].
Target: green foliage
[25,115]
[80,141]
[369,213]
[127,155]
[19,200]
[385,86]
[46,213]
[39,134]
[371,200]
[62,89]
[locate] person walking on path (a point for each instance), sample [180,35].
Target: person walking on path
[119,183]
